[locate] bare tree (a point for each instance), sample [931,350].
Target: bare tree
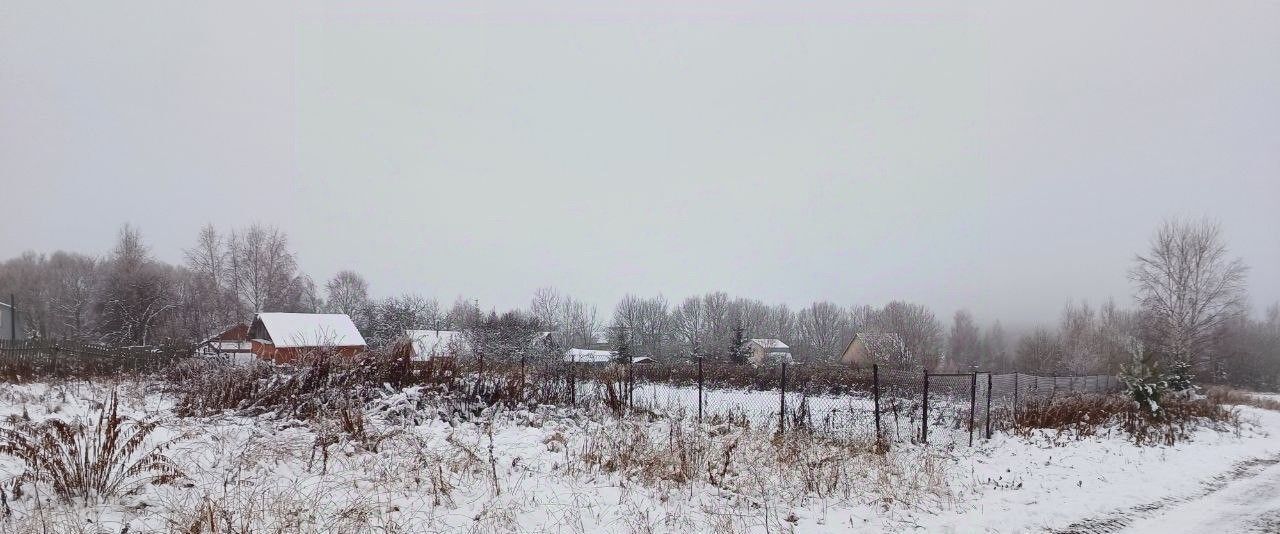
[753,316]
[463,315]
[1040,352]
[780,322]
[347,292]
[689,326]
[72,287]
[210,301]
[137,292]
[646,320]
[715,310]
[1188,288]
[822,330]
[920,330]
[263,271]
[579,322]
[545,307]
[995,348]
[1079,333]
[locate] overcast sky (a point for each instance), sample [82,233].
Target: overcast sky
[1003,157]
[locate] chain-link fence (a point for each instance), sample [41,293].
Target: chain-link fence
[856,405]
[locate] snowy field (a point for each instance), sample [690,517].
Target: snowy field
[556,470]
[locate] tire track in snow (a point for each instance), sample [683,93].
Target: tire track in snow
[1118,520]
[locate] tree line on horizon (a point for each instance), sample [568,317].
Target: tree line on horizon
[1190,306]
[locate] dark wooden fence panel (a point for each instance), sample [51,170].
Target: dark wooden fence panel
[28,359]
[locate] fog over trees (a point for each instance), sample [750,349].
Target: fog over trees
[1190,305]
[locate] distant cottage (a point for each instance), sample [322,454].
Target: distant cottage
[427,345]
[598,357]
[232,342]
[768,351]
[867,348]
[287,337]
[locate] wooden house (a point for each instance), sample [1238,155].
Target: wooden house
[290,337]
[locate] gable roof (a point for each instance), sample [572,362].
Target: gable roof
[588,356]
[432,343]
[880,343]
[291,330]
[770,344]
[237,332]
[596,356]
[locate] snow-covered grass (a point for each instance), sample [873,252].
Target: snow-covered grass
[410,465]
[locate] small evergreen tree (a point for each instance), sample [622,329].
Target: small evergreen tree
[1180,377]
[1143,380]
[621,345]
[738,351]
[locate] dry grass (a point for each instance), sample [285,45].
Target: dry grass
[1082,416]
[1233,396]
[88,460]
[734,457]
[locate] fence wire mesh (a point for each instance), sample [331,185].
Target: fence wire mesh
[856,405]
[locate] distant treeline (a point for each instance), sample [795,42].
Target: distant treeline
[1190,306]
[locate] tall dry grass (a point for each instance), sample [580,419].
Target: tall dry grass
[1085,415]
[87,460]
[1232,396]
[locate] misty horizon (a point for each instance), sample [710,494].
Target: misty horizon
[970,157]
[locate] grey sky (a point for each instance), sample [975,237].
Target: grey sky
[1001,156]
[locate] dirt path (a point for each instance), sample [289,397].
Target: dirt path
[1245,499]
[1247,505]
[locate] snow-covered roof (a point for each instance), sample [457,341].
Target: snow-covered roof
[588,356]
[429,344]
[881,340]
[308,330]
[596,356]
[770,344]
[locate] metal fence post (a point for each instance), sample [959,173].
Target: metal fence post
[988,405]
[699,388]
[573,386]
[875,390]
[973,403]
[924,414]
[1015,395]
[782,401]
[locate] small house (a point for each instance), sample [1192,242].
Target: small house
[232,343]
[427,345]
[768,351]
[288,337]
[598,357]
[868,348]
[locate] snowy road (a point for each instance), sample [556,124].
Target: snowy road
[1250,504]
[1245,499]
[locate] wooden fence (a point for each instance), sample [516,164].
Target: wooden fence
[39,358]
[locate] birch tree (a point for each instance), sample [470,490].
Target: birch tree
[1188,287]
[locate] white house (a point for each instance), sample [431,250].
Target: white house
[597,357]
[426,345]
[769,351]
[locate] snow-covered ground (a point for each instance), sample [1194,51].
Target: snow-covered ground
[553,469]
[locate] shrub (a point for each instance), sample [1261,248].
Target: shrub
[89,460]
[1085,415]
